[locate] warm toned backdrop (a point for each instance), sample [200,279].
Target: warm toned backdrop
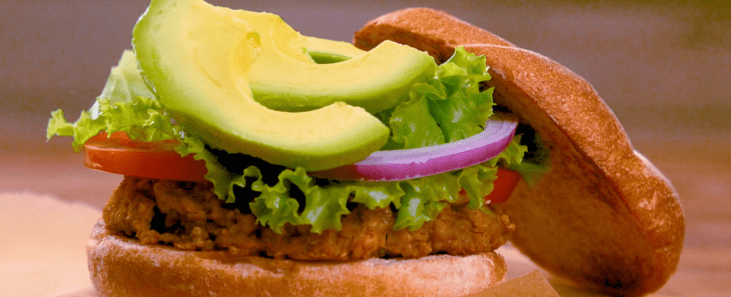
[664,67]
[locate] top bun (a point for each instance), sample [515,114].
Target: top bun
[603,216]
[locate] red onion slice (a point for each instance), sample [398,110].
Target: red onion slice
[414,163]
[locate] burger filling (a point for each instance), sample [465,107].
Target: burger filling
[189,216]
[247,206]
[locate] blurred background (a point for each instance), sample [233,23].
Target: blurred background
[662,66]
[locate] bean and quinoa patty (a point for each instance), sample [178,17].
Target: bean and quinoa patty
[189,216]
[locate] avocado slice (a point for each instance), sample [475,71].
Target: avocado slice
[376,80]
[325,51]
[196,57]
[287,41]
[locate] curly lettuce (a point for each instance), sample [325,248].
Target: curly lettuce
[447,108]
[126,104]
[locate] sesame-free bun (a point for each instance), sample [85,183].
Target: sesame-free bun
[603,216]
[120,266]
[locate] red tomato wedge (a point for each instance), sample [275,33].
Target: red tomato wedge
[505,183]
[156,159]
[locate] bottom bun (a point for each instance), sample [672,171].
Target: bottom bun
[120,266]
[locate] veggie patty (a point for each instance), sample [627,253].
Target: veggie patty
[189,216]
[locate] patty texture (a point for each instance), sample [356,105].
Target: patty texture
[189,216]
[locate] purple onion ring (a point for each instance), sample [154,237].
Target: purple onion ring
[407,164]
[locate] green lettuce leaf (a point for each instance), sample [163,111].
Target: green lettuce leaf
[142,118]
[125,105]
[123,84]
[447,108]
[224,182]
[413,126]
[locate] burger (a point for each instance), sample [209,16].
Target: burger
[262,162]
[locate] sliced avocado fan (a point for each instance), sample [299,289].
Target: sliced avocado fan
[376,80]
[196,58]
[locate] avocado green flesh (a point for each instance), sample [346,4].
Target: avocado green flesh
[327,58]
[324,51]
[196,57]
[377,80]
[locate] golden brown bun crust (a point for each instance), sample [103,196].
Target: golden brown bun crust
[424,28]
[603,216]
[119,266]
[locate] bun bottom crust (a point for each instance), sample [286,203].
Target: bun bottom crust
[120,266]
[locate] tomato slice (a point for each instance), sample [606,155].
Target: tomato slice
[505,183]
[156,159]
